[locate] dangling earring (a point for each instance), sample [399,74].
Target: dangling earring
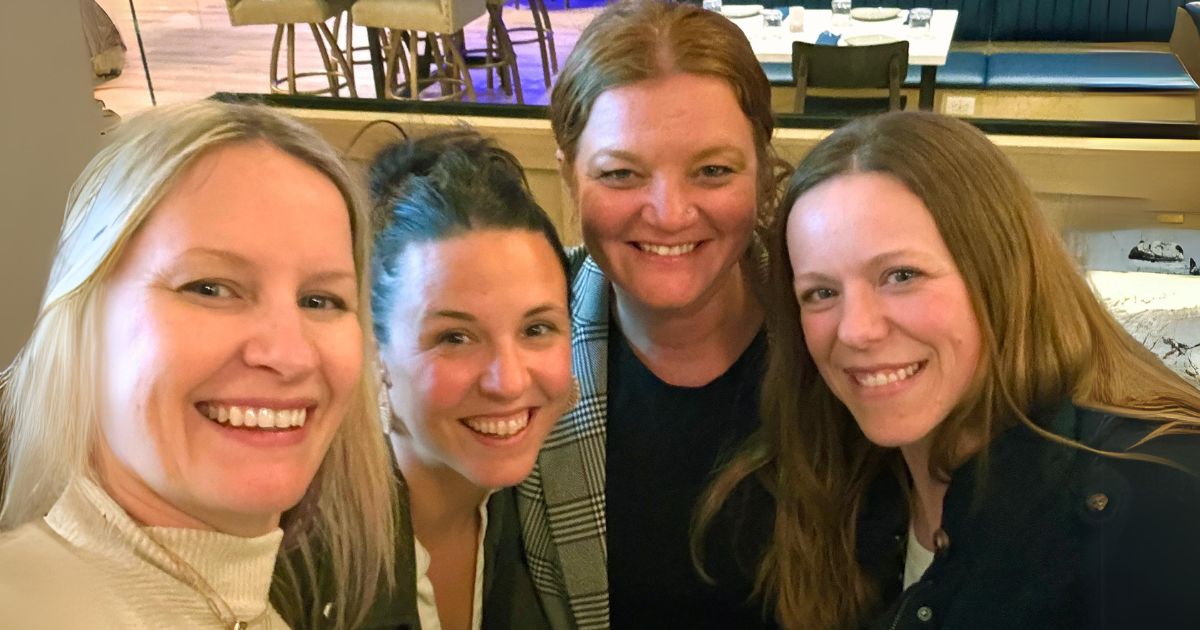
[573,399]
[386,416]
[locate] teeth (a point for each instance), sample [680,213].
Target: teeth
[259,417]
[876,379]
[667,250]
[500,427]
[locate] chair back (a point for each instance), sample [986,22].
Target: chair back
[882,66]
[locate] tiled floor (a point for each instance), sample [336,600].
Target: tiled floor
[192,52]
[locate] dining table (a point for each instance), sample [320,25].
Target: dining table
[928,47]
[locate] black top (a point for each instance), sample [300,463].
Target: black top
[664,442]
[1047,536]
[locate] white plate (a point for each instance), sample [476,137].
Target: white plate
[874,14]
[739,11]
[867,40]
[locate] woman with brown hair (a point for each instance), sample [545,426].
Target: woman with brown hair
[926,321]
[663,123]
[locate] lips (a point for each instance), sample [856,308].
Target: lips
[254,417]
[659,249]
[878,377]
[500,426]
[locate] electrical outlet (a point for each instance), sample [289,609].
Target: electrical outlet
[960,105]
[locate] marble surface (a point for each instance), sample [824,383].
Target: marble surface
[1160,310]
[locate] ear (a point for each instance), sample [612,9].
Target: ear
[566,170]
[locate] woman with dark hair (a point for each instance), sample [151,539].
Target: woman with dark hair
[926,321]
[470,304]
[663,122]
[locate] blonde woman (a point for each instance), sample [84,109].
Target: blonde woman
[193,395]
[957,434]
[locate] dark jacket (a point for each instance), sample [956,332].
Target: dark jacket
[1045,535]
[509,600]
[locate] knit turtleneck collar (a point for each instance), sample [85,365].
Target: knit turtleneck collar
[238,569]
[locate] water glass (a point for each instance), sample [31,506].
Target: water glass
[919,19]
[841,13]
[795,19]
[712,5]
[772,21]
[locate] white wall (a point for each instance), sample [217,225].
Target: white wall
[49,129]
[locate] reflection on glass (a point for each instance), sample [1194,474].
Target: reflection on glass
[841,12]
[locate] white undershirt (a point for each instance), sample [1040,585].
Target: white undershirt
[427,610]
[916,559]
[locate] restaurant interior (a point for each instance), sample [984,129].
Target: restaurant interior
[1096,101]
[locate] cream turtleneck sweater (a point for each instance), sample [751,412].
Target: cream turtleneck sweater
[88,564]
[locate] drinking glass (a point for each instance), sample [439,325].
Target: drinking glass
[712,5]
[841,13]
[772,22]
[795,19]
[919,19]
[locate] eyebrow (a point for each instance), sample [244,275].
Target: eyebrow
[719,150]
[878,260]
[883,258]
[231,258]
[622,154]
[467,317]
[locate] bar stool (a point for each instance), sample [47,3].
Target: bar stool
[542,33]
[439,21]
[499,57]
[285,16]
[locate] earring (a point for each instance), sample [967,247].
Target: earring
[573,399]
[387,417]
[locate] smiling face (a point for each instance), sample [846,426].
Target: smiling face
[478,354]
[885,312]
[665,178]
[234,304]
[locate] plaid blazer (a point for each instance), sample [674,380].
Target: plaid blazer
[562,502]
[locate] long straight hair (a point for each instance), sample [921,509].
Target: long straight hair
[48,423]
[1046,338]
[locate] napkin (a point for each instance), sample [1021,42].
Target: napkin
[828,38]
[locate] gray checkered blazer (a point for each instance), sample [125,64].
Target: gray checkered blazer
[562,503]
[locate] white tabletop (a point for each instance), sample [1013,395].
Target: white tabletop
[924,48]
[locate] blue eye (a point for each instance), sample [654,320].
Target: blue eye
[617,175]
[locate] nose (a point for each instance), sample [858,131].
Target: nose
[863,320]
[507,375]
[281,341]
[669,206]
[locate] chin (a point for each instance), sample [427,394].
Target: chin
[262,497]
[500,477]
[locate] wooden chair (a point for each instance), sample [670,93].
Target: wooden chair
[440,22]
[285,15]
[880,67]
[498,55]
[542,34]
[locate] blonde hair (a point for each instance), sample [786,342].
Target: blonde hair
[48,405]
[1046,338]
[637,40]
